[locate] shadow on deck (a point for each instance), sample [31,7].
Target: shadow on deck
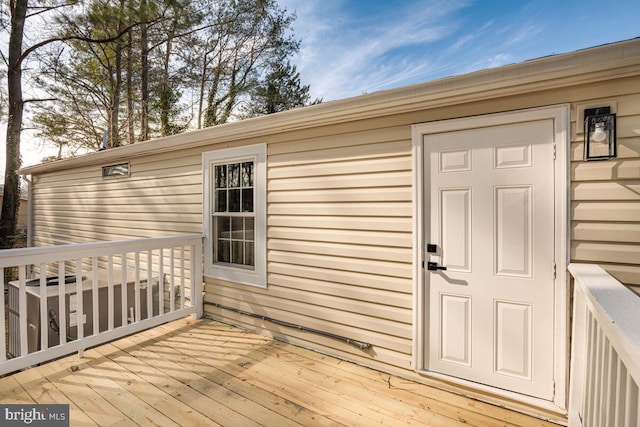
[205,373]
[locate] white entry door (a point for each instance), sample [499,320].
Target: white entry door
[489,195]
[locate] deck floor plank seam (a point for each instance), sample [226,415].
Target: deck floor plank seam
[91,402]
[248,412]
[171,402]
[266,381]
[236,384]
[221,333]
[321,391]
[466,410]
[378,386]
[206,373]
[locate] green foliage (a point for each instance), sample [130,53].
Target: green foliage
[165,66]
[167,104]
[240,43]
[281,90]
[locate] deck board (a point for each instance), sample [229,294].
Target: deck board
[205,373]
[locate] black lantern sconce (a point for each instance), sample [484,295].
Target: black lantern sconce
[599,134]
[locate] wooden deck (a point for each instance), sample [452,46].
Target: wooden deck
[204,373]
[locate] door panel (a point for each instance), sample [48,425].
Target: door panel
[513,339]
[490,211]
[513,251]
[455,230]
[456,326]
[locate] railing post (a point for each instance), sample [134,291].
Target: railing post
[578,357]
[197,278]
[172,280]
[44,332]
[605,362]
[79,306]
[95,304]
[161,301]
[62,305]
[149,301]
[22,304]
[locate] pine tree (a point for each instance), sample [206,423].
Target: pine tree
[281,90]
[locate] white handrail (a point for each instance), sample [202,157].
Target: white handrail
[605,362]
[22,256]
[111,288]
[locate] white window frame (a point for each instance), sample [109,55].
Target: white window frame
[258,154]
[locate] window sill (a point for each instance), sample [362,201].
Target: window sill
[236,276]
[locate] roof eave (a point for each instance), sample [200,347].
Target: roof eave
[607,62]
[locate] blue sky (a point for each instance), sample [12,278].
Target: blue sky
[352,47]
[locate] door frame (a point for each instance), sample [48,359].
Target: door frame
[560,114]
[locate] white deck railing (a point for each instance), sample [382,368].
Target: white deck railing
[125,287]
[605,362]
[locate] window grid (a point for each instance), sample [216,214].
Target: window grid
[234,217]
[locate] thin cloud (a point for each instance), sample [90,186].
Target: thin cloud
[350,58]
[349,48]
[467,39]
[489,62]
[522,33]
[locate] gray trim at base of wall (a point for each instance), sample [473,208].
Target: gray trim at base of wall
[358,344]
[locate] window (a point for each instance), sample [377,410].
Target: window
[235,214]
[121,170]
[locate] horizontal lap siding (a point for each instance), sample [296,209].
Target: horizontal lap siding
[163,196]
[340,219]
[605,196]
[339,246]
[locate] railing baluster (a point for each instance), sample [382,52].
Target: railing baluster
[161,301]
[172,281]
[124,290]
[591,370]
[182,279]
[62,303]
[149,284]
[192,283]
[95,296]
[44,316]
[110,297]
[79,298]
[621,385]
[137,313]
[597,409]
[22,303]
[611,378]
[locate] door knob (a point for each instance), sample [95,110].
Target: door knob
[434,266]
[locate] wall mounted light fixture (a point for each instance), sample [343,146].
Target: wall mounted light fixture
[599,134]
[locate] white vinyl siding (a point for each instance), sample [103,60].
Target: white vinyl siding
[339,245]
[163,196]
[605,214]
